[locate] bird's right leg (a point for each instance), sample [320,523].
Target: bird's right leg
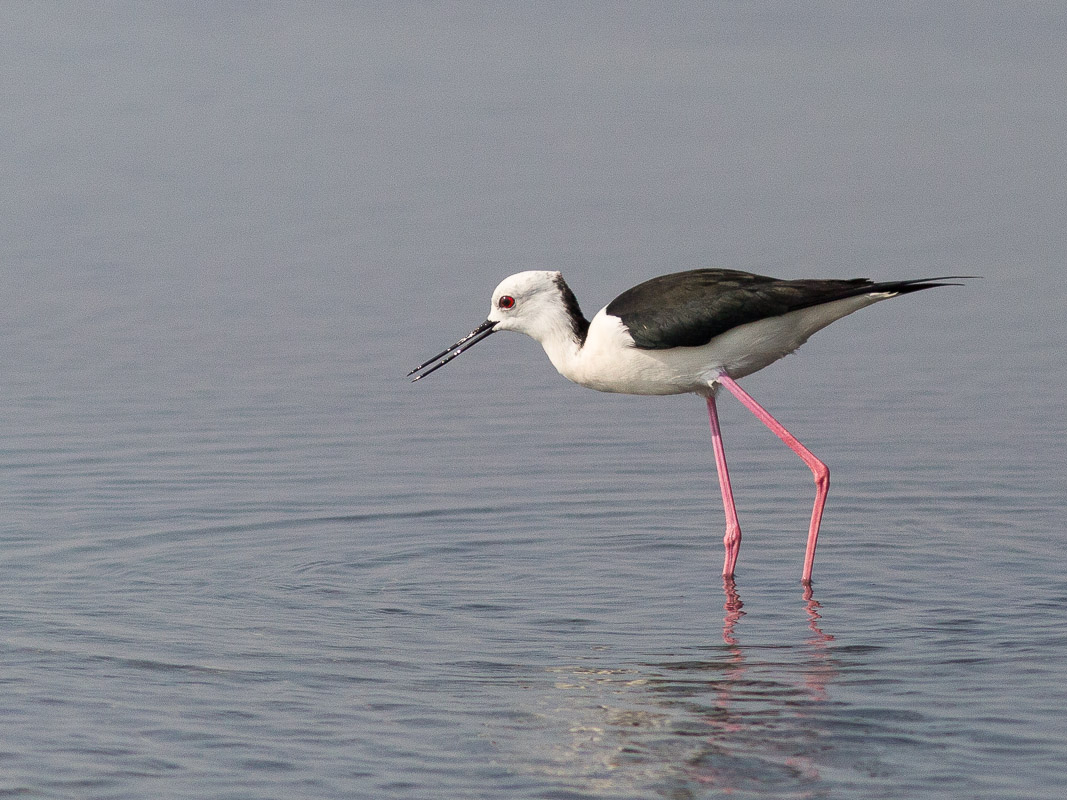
[732,539]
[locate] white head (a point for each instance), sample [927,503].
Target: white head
[537,303]
[534,303]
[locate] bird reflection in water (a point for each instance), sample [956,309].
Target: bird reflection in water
[758,714]
[728,716]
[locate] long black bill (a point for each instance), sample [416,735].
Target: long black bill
[447,355]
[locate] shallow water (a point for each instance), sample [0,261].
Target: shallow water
[243,558]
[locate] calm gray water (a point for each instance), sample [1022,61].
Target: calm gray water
[242,557]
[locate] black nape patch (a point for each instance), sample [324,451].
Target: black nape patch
[579,324]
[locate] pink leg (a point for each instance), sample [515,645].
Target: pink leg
[732,539]
[818,469]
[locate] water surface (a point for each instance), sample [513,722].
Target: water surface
[243,558]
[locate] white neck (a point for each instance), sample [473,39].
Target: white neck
[562,345]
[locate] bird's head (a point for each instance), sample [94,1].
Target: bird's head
[532,303]
[537,303]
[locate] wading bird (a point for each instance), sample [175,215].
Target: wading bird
[685,332]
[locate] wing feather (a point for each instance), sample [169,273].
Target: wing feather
[689,309]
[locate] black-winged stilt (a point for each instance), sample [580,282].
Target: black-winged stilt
[686,332]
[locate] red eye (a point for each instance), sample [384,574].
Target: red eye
[506,301]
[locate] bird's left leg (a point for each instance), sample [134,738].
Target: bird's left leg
[818,469]
[732,539]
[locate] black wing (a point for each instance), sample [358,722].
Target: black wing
[689,309]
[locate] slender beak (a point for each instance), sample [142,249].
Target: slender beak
[447,355]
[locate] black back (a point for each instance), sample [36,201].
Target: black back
[689,309]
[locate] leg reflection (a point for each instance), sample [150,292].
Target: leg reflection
[812,606]
[821,668]
[732,607]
